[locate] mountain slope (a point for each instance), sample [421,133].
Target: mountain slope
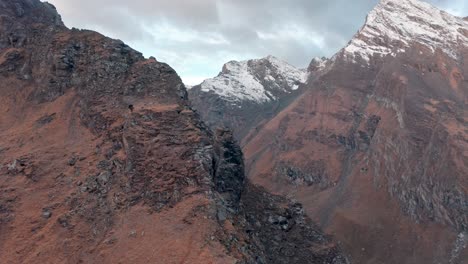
[103,161]
[247,93]
[376,148]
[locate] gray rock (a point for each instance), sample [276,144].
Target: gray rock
[46,214]
[73,160]
[221,214]
[19,10]
[104,177]
[12,167]
[271,219]
[282,220]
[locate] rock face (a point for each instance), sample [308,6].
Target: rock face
[247,93]
[103,161]
[377,147]
[284,234]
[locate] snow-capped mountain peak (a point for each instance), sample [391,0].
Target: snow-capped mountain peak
[258,80]
[394,25]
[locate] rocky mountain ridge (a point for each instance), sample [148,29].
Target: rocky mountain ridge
[102,160]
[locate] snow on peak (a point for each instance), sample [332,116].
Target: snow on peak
[257,80]
[291,75]
[394,24]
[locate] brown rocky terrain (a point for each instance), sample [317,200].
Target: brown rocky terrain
[377,148]
[103,161]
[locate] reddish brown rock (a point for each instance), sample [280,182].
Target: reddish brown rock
[376,149]
[102,160]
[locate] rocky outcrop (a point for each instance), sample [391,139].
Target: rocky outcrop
[273,228]
[103,161]
[229,177]
[376,147]
[281,231]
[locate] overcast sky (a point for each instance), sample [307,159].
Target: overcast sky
[196,37]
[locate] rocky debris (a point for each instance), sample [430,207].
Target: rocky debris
[8,199]
[46,119]
[312,174]
[359,140]
[72,161]
[46,214]
[22,166]
[263,216]
[282,231]
[459,246]
[431,201]
[11,61]
[12,167]
[64,221]
[97,183]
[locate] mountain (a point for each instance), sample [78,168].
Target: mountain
[393,26]
[247,93]
[102,160]
[376,147]
[260,81]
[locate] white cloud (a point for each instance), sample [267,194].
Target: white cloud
[197,37]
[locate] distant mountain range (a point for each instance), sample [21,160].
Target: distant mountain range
[246,93]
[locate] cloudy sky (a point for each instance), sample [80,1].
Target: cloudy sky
[196,37]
